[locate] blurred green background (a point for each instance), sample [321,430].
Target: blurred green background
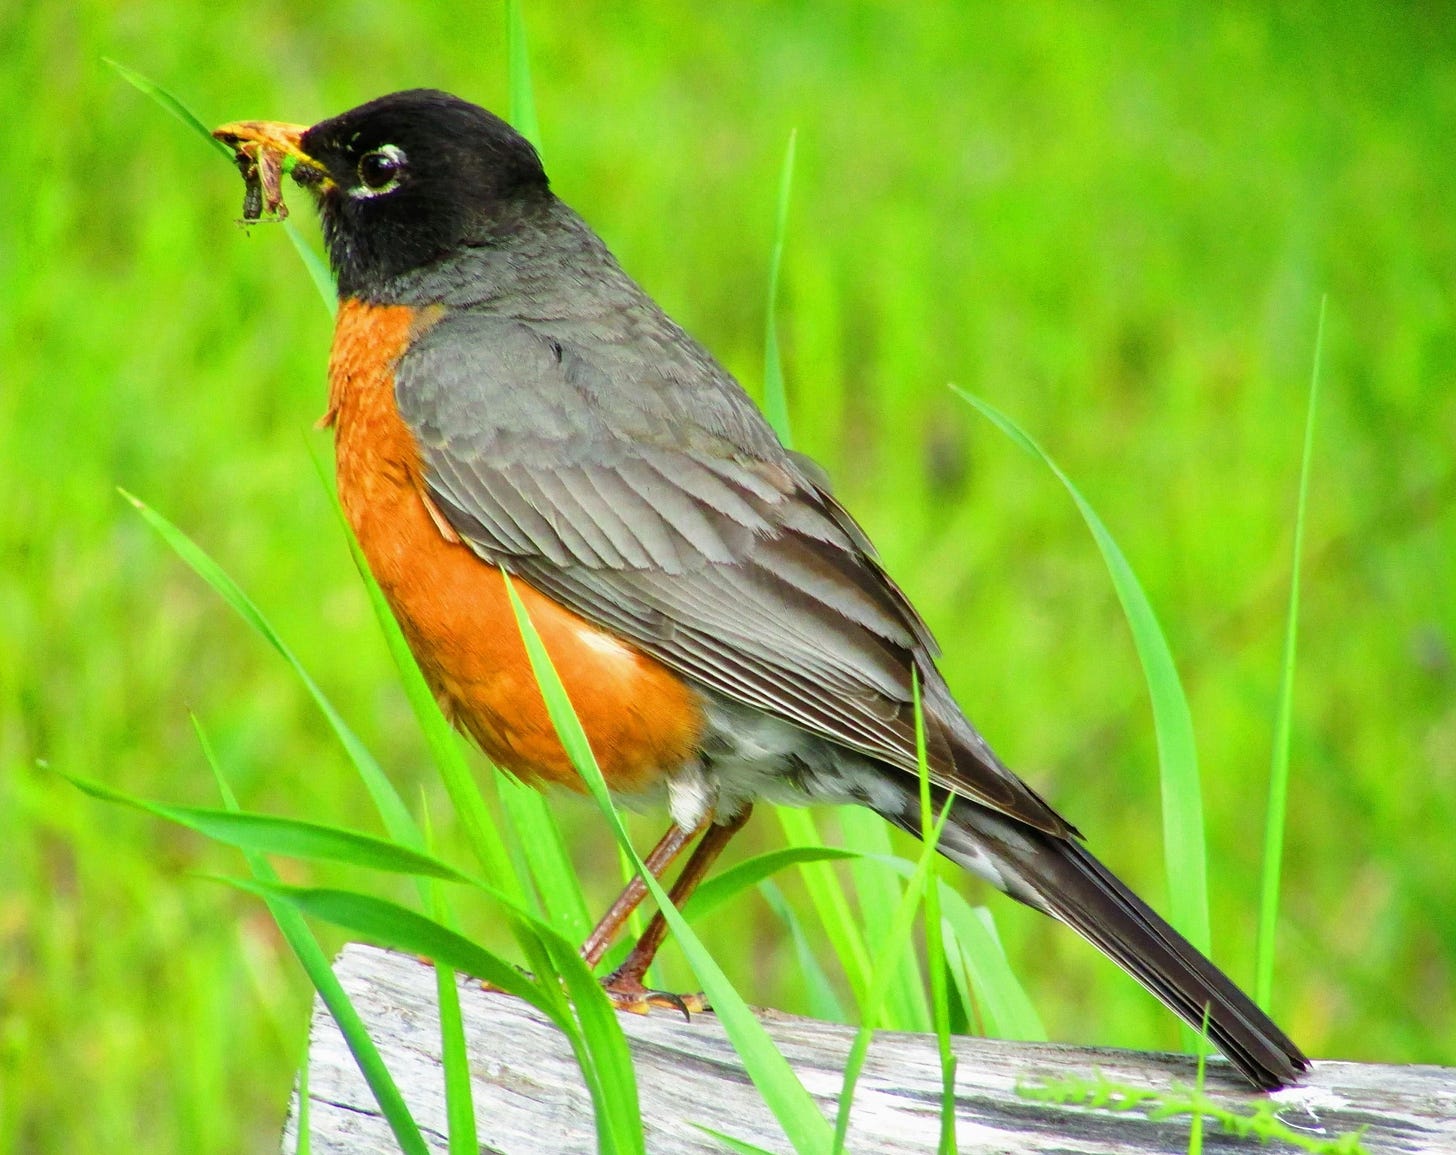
[1116,224]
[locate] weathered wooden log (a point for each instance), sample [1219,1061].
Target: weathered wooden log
[529,1096]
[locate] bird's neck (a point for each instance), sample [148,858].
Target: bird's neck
[552,267]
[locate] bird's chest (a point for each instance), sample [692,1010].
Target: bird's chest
[453,606]
[378,462]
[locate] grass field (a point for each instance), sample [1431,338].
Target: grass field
[1117,226]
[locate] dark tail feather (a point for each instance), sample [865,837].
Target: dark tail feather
[1059,877]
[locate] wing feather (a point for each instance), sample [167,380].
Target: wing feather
[728,564]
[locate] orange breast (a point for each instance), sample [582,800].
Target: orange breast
[641,719]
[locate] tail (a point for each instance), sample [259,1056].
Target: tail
[1059,877]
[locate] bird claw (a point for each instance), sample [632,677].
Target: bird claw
[628,994]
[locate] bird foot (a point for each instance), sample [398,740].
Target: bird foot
[628,994]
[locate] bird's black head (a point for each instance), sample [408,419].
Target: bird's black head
[410,177]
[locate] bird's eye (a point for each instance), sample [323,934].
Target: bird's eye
[379,170]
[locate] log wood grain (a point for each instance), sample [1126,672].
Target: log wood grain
[529,1096]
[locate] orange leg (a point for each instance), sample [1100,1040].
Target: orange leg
[667,849]
[624,985]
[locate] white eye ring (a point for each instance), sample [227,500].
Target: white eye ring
[380,170]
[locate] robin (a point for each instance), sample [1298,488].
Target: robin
[505,397]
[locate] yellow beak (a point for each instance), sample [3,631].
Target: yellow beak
[256,135]
[266,150]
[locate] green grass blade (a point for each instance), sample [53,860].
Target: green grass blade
[1195,1130]
[1009,1013]
[1284,712]
[318,269]
[775,394]
[269,834]
[316,965]
[546,856]
[823,1003]
[392,810]
[722,888]
[831,903]
[969,940]
[771,1074]
[399,928]
[356,1036]
[170,103]
[605,1054]
[455,1061]
[482,833]
[739,1145]
[1183,837]
[402,929]
[972,945]
[878,893]
[518,63]
[257,834]
[882,974]
[962,1012]
[454,1054]
[934,944]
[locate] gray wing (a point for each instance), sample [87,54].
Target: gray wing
[624,492]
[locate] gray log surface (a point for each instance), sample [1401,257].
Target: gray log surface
[529,1096]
